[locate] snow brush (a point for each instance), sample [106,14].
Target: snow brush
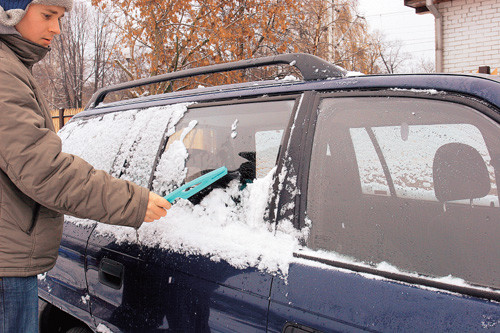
[196,185]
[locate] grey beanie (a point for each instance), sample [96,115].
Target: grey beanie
[12,11]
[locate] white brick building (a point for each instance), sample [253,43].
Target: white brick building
[467,33]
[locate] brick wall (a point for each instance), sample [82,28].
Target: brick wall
[471,35]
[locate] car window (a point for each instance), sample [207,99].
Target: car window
[245,138]
[97,140]
[410,159]
[125,144]
[410,182]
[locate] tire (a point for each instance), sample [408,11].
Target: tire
[79,329]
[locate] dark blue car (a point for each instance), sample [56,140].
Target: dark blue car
[352,203]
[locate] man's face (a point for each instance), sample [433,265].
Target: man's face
[41,23]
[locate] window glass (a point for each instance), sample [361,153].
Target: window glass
[134,161]
[97,140]
[124,144]
[410,182]
[267,144]
[410,158]
[245,138]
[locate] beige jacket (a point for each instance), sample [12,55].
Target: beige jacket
[38,182]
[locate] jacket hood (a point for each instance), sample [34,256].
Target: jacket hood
[13,11]
[5,30]
[28,52]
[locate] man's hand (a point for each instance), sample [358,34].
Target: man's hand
[157,207]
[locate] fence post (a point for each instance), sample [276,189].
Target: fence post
[484,69]
[61,118]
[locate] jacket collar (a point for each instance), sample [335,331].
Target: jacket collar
[5,30]
[28,52]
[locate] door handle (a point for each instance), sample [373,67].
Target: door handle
[111,273]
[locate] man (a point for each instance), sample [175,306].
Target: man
[38,182]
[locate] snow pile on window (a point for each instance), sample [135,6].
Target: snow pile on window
[139,149]
[101,328]
[227,225]
[382,267]
[97,140]
[171,169]
[117,141]
[124,144]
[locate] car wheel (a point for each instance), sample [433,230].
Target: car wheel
[79,329]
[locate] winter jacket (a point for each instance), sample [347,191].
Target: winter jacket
[38,182]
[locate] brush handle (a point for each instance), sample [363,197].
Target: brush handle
[196,185]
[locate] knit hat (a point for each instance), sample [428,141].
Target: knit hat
[12,11]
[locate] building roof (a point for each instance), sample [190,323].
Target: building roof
[419,5]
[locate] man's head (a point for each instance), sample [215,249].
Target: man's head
[36,20]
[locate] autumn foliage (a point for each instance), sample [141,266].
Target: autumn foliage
[114,41]
[166,36]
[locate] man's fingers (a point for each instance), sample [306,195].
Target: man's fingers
[157,207]
[162,202]
[158,211]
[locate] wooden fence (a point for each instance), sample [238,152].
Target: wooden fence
[62,116]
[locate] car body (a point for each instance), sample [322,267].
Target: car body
[366,203]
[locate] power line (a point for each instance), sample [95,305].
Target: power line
[391,13]
[423,50]
[428,42]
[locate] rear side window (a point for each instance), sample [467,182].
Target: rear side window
[410,182]
[124,144]
[97,140]
[246,138]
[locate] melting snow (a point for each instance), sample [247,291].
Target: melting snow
[425,91]
[234,127]
[382,266]
[85,298]
[101,328]
[221,229]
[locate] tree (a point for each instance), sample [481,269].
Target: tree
[104,45]
[118,40]
[79,61]
[424,65]
[166,36]
[334,31]
[392,58]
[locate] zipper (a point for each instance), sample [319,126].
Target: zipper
[36,211]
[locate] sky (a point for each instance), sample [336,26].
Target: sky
[398,22]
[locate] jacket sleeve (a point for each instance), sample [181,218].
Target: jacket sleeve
[31,156]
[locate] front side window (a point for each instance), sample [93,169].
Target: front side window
[245,138]
[407,181]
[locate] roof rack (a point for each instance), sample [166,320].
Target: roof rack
[311,68]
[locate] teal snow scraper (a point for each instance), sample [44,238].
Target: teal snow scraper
[196,185]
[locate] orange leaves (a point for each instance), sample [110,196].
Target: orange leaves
[169,35]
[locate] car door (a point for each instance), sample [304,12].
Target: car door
[98,141]
[201,268]
[114,268]
[402,204]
